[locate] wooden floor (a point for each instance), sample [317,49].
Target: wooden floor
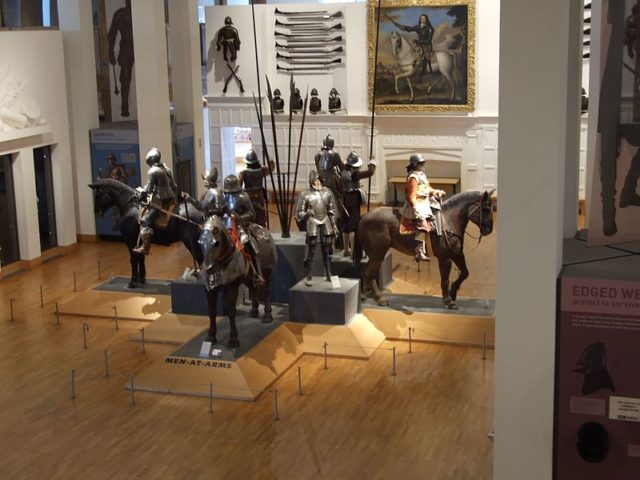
[354,420]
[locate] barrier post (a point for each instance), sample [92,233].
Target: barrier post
[393,371]
[133,391]
[142,332]
[57,314]
[99,270]
[276,415]
[85,329]
[210,398]
[106,364]
[484,345]
[410,349]
[11,300]
[41,297]
[324,346]
[73,384]
[115,316]
[299,381]
[75,284]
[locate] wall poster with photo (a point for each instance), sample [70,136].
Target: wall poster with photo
[425,55]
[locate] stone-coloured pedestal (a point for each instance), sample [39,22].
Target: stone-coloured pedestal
[321,303]
[189,297]
[290,269]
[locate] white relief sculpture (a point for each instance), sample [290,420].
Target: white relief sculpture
[17,111]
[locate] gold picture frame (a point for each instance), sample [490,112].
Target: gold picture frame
[411,57]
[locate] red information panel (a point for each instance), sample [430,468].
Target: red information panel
[598,380]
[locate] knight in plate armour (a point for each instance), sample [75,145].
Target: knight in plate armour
[316,209]
[229,40]
[239,216]
[211,201]
[252,180]
[160,193]
[329,167]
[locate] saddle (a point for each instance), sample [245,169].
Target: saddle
[162,222]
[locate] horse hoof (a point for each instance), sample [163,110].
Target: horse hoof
[267,318]
[383,302]
[233,343]
[254,313]
[133,284]
[212,339]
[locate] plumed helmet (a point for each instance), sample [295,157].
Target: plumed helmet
[328,142]
[276,92]
[153,156]
[231,184]
[333,92]
[416,159]
[353,160]
[227,21]
[314,92]
[251,158]
[313,176]
[210,177]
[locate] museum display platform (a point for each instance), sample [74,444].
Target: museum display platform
[146,303]
[324,302]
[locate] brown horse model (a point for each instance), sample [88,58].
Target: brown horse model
[379,230]
[225,268]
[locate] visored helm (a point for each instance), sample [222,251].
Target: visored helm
[328,143]
[231,184]
[210,177]
[416,159]
[314,92]
[251,157]
[276,92]
[353,160]
[333,92]
[313,176]
[227,21]
[153,156]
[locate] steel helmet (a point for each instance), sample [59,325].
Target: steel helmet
[416,159]
[313,176]
[353,160]
[153,156]
[251,157]
[328,142]
[231,184]
[333,92]
[210,177]
[276,92]
[227,21]
[314,92]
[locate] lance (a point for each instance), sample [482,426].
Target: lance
[259,106]
[277,155]
[373,101]
[295,176]
[288,188]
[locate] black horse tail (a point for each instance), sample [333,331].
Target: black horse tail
[357,250]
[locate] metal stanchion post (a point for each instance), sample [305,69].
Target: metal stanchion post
[11,300]
[410,350]
[133,391]
[75,284]
[99,271]
[106,364]
[73,384]
[276,415]
[142,332]
[210,398]
[406,269]
[300,381]
[325,355]
[484,345]
[57,314]
[393,372]
[41,296]
[115,316]
[85,329]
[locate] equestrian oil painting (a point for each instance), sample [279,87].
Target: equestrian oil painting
[425,56]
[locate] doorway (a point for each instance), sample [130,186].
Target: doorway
[44,197]
[9,249]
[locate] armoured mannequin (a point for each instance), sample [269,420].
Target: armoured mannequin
[278,102]
[316,208]
[252,180]
[229,40]
[421,201]
[315,104]
[335,104]
[329,167]
[353,196]
[238,205]
[297,103]
[160,192]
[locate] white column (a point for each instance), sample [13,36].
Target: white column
[184,47]
[24,177]
[533,146]
[152,79]
[76,24]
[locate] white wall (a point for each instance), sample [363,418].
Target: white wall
[37,57]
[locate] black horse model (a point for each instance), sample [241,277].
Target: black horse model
[109,193]
[379,230]
[225,268]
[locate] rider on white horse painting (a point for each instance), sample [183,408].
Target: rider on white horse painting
[425,30]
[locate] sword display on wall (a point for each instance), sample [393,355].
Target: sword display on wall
[306,35]
[312,62]
[318,69]
[309,14]
[306,38]
[297,56]
[311,48]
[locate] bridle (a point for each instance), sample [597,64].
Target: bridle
[472,210]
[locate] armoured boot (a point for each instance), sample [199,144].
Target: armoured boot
[146,245]
[308,265]
[420,252]
[346,238]
[326,261]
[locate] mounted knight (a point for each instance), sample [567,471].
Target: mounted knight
[158,198]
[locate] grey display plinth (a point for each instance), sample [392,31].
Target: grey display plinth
[189,297]
[321,303]
[290,269]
